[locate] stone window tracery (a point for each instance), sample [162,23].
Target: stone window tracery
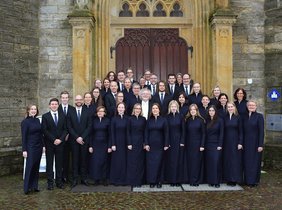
[151,8]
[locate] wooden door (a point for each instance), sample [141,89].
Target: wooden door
[160,50]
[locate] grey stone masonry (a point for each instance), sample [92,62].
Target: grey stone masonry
[248,48]
[55,54]
[273,64]
[18,74]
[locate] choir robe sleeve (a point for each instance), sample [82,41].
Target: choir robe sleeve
[24,128]
[112,128]
[182,140]
[221,133]
[203,130]
[128,131]
[146,136]
[240,127]
[260,130]
[166,131]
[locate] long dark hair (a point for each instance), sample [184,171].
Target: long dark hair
[244,93]
[99,101]
[211,122]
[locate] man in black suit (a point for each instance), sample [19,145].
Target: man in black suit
[55,130]
[133,98]
[110,99]
[187,84]
[130,75]
[64,108]
[173,89]
[162,98]
[153,87]
[120,77]
[79,127]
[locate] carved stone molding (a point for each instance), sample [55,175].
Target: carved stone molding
[223,32]
[80,33]
[87,22]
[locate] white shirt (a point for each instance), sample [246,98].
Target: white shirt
[171,87]
[145,108]
[78,108]
[52,113]
[63,107]
[152,89]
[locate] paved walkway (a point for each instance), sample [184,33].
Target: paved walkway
[268,195]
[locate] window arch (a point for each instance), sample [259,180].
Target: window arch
[151,8]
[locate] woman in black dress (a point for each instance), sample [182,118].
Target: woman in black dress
[222,108]
[203,109]
[195,134]
[179,80]
[99,147]
[119,146]
[174,156]
[232,146]
[105,88]
[240,97]
[32,146]
[183,104]
[97,99]
[213,147]
[215,96]
[253,126]
[196,95]
[135,140]
[156,142]
[111,76]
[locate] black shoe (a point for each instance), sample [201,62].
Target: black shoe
[172,185]
[50,187]
[60,186]
[252,185]
[84,182]
[159,185]
[211,185]
[217,185]
[177,185]
[152,185]
[36,190]
[65,180]
[74,183]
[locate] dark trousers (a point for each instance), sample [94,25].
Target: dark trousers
[79,160]
[66,161]
[58,152]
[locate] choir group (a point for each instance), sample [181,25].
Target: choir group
[125,132]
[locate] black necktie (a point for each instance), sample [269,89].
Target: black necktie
[78,115]
[55,119]
[171,90]
[65,110]
[186,90]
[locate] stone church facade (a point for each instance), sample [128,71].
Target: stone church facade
[53,45]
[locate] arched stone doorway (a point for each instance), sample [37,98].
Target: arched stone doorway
[205,25]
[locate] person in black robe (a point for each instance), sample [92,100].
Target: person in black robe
[195,134]
[105,88]
[222,108]
[183,104]
[127,91]
[88,104]
[134,98]
[119,146]
[156,142]
[32,146]
[213,147]
[97,99]
[203,109]
[240,97]
[253,126]
[99,147]
[214,98]
[135,140]
[196,95]
[174,156]
[232,146]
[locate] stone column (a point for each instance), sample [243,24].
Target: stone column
[82,50]
[221,22]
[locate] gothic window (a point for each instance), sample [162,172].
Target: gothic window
[125,11]
[142,12]
[151,8]
[176,11]
[159,12]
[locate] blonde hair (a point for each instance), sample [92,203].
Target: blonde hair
[170,104]
[235,108]
[197,112]
[134,107]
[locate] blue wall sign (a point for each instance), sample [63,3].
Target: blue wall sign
[274,95]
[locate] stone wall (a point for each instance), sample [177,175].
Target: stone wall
[18,75]
[248,48]
[55,54]
[273,78]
